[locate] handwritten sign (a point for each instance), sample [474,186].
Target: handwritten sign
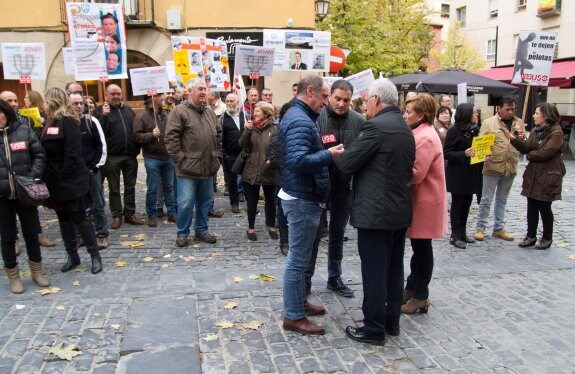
[149,81]
[482,145]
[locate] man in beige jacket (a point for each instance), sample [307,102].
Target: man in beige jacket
[194,141]
[499,169]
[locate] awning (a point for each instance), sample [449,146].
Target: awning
[562,74]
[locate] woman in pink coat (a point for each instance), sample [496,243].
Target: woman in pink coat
[429,201]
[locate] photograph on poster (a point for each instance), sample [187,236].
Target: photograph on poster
[318,61]
[298,40]
[297,59]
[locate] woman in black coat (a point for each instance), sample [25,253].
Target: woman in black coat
[23,154]
[67,178]
[463,179]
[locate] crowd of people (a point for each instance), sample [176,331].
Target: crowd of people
[384,169]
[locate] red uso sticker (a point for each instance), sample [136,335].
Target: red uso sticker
[25,79]
[53,130]
[328,138]
[18,146]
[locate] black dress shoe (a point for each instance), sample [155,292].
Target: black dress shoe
[96,264]
[392,330]
[359,335]
[458,243]
[338,286]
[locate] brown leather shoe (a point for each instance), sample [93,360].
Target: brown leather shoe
[313,310]
[133,220]
[235,208]
[303,326]
[215,213]
[116,223]
[152,222]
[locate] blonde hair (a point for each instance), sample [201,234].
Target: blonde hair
[425,105]
[58,105]
[267,108]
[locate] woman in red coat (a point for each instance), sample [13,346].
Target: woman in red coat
[429,201]
[543,175]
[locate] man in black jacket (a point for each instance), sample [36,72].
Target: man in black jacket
[232,122]
[381,160]
[116,119]
[338,125]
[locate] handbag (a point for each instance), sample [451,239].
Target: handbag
[29,191]
[238,166]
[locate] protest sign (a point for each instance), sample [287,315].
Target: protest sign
[24,60]
[251,60]
[69,61]
[534,57]
[462,93]
[360,82]
[171,71]
[482,145]
[145,80]
[98,39]
[33,113]
[299,49]
[207,59]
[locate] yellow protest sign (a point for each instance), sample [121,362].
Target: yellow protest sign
[182,62]
[482,145]
[33,113]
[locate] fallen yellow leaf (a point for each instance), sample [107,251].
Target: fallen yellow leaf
[48,291]
[266,277]
[210,337]
[571,257]
[140,237]
[253,325]
[231,305]
[148,259]
[124,236]
[25,273]
[188,258]
[164,266]
[65,353]
[216,254]
[224,324]
[60,307]
[237,279]
[79,270]
[76,283]
[120,264]
[254,276]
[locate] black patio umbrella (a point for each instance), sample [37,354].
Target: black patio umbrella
[408,82]
[446,81]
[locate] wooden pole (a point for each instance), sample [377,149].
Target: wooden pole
[525,102]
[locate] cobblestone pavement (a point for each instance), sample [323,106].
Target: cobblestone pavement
[496,308]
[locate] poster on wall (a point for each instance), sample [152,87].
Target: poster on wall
[299,49]
[534,57]
[207,59]
[24,60]
[98,38]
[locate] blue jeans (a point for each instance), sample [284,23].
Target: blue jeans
[303,218]
[192,193]
[500,186]
[98,204]
[159,172]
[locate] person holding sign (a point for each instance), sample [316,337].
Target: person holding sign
[544,173]
[428,198]
[499,169]
[33,99]
[463,179]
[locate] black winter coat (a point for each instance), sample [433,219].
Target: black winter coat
[231,135]
[381,160]
[117,128]
[66,175]
[335,130]
[461,177]
[23,151]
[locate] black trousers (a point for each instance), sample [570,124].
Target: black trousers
[28,216]
[381,253]
[421,268]
[534,209]
[231,179]
[252,192]
[459,213]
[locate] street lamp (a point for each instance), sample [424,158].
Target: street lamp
[321,8]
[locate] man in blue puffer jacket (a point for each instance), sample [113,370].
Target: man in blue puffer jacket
[305,176]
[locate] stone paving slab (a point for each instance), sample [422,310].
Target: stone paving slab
[496,308]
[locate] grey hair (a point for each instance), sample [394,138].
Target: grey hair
[193,83]
[233,95]
[267,90]
[385,90]
[315,81]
